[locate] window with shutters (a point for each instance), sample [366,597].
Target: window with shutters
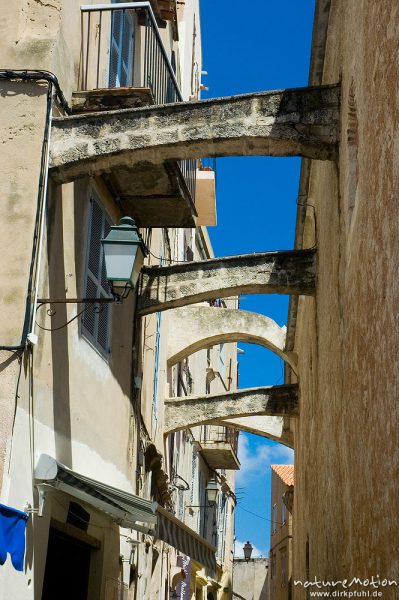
[96,318]
[121,48]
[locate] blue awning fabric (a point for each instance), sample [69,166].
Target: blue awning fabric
[128,510]
[12,536]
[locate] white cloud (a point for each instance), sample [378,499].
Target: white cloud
[239,552]
[257,459]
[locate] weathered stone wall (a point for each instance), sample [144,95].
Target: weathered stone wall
[347,337]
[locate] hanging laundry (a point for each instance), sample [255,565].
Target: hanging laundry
[12,536]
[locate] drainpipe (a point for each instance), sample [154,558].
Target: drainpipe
[28,333]
[31,336]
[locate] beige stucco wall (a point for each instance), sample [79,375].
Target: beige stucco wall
[347,337]
[250,579]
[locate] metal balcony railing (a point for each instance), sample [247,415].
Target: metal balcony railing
[121,47]
[218,434]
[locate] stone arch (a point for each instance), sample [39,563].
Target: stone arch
[189,411]
[291,122]
[173,286]
[195,328]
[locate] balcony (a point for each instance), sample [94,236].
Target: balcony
[205,192]
[124,65]
[219,447]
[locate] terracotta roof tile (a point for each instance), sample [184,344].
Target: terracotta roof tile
[285,472]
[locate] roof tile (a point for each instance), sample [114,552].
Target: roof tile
[285,472]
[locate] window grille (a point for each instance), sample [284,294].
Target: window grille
[96,318]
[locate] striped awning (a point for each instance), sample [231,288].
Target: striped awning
[128,510]
[175,533]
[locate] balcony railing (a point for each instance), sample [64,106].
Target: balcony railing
[121,47]
[219,434]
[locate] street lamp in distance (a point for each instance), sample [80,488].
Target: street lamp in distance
[247,551]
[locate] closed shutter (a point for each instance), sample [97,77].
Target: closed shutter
[122,49]
[96,318]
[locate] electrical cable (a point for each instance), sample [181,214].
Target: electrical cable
[168,260]
[259,516]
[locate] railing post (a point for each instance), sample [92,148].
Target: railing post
[99,49]
[87,48]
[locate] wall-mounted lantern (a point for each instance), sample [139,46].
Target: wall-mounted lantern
[124,253]
[247,551]
[212,490]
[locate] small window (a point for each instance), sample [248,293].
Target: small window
[283,512]
[274,519]
[96,319]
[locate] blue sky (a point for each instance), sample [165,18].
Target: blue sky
[247,47]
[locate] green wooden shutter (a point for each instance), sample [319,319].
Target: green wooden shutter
[96,318]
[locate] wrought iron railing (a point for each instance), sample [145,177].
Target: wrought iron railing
[110,58]
[220,434]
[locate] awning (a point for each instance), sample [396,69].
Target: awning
[128,510]
[175,533]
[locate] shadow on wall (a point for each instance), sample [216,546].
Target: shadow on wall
[59,339]
[120,357]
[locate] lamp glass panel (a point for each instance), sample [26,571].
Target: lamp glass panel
[120,262]
[212,492]
[138,263]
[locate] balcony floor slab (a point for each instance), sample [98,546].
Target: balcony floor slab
[219,455]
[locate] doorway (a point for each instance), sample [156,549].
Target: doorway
[67,567]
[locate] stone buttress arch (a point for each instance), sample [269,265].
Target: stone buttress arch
[195,328]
